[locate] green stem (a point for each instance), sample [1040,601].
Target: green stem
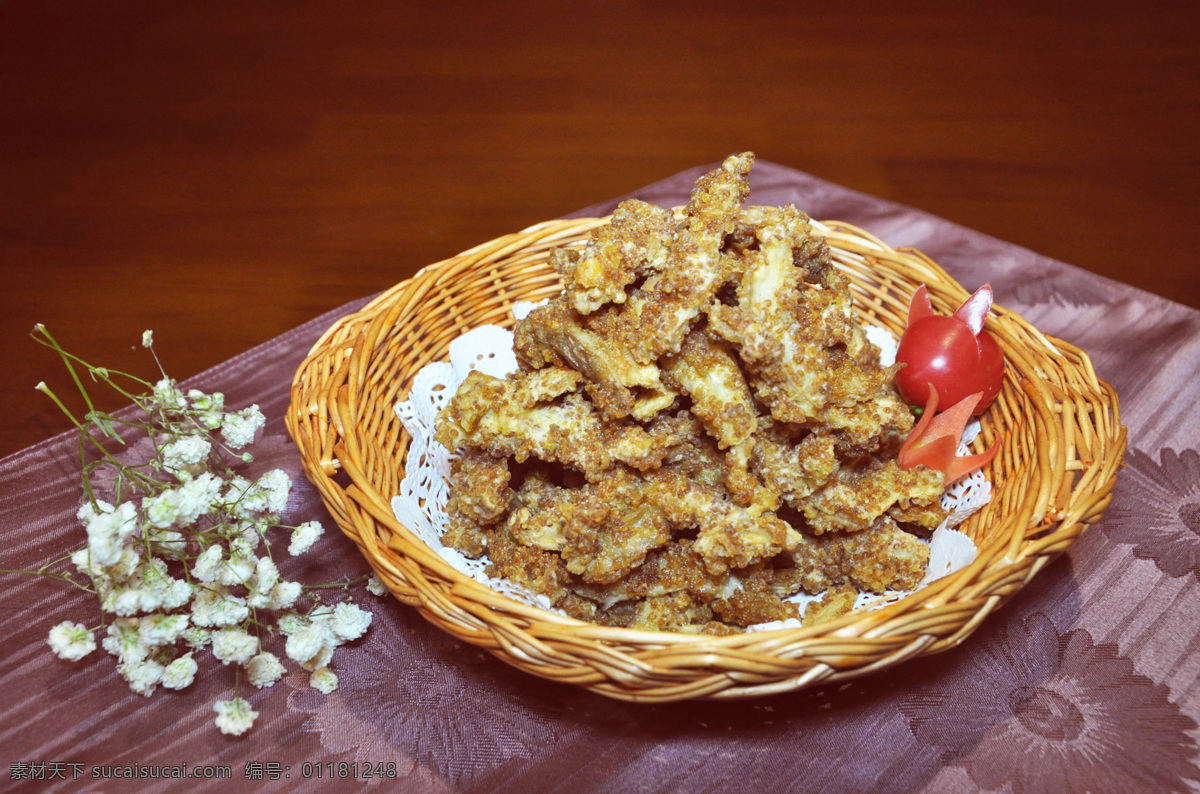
[67,358]
[44,389]
[58,577]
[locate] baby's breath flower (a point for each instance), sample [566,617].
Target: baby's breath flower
[168,543]
[124,640]
[151,571]
[197,497]
[349,621]
[375,585]
[186,452]
[207,567]
[233,645]
[162,629]
[71,641]
[107,531]
[161,510]
[88,511]
[234,717]
[168,397]
[266,575]
[209,408]
[229,611]
[143,675]
[264,670]
[238,428]
[157,589]
[176,593]
[235,489]
[126,567]
[284,595]
[322,659]
[215,607]
[276,486]
[238,568]
[323,680]
[256,599]
[101,581]
[126,601]
[250,531]
[304,536]
[309,645]
[291,623]
[82,560]
[173,507]
[180,673]
[197,638]
[267,496]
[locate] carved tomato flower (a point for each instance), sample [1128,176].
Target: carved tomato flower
[953,354]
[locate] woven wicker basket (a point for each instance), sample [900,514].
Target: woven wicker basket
[1057,423]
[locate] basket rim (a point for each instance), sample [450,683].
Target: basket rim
[1012,557]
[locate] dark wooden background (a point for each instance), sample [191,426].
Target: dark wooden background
[221,172]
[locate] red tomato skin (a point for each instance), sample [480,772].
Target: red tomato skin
[991,370]
[943,351]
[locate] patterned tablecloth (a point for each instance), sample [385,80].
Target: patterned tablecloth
[1088,680]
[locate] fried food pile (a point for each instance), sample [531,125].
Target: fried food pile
[699,429]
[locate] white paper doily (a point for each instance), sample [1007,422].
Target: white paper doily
[425,489]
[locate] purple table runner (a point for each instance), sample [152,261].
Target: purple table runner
[1088,680]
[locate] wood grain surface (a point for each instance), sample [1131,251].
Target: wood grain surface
[221,172]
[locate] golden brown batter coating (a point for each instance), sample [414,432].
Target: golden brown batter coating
[637,243]
[755,602]
[729,536]
[479,495]
[537,569]
[700,429]
[630,524]
[875,559]
[532,414]
[810,362]
[707,370]
[541,510]
[552,336]
[674,612]
[673,568]
[659,315]
[794,469]
[837,601]
[854,497]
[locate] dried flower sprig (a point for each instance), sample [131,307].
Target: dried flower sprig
[174,559]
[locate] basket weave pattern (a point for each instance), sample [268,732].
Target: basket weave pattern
[1058,426]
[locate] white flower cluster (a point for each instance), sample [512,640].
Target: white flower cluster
[311,640]
[177,570]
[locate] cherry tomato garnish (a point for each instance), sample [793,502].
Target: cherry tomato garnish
[953,353]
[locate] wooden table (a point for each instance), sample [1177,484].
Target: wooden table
[222,172]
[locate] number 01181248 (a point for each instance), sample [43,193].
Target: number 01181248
[347,770]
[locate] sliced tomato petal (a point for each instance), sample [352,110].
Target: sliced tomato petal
[962,466]
[953,420]
[974,310]
[915,435]
[937,454]
[933,442]
[919,307]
